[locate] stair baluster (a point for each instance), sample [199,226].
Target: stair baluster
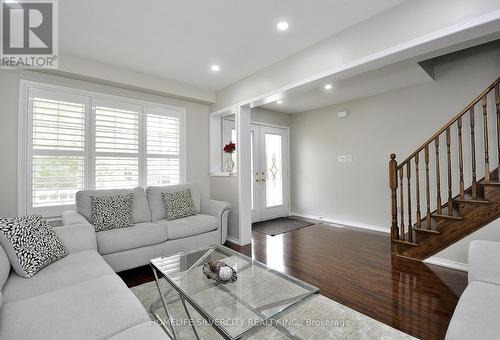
[402,206]
[485,138]
[438,178]
[410,224]
[461,158]
[473,152]
[448,161]
[427,188]
[417,192]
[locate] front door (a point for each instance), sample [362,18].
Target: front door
[270,184]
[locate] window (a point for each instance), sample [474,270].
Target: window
[72,140]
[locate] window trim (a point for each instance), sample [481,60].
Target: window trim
[25,155]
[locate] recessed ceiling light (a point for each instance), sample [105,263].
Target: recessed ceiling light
[282,26]
[279,102]
[215,68]
[328,86]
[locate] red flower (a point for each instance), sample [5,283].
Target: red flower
[229,148]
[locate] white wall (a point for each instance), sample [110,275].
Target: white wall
[396,122]
[82,69]
[457,254]
[196,122]
[264,116]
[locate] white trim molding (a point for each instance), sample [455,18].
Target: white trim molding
[447,263]
[233,240]
[343,222]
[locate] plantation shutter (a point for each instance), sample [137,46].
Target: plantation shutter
[116,144]
[58,140]
[163,145]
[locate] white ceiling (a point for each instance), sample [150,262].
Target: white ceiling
[179,40]
[313,95]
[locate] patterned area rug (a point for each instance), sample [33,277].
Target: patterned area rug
[316,318]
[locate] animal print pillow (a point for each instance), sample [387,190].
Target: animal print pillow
[111,212]
[30,243]
[178,204]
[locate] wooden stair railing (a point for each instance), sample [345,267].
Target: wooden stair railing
[408,221]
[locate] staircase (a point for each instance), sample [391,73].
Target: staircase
[449,187]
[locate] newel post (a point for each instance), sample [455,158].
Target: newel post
[393,182]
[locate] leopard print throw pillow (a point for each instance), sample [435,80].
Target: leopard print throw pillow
[111,212]
[178,204]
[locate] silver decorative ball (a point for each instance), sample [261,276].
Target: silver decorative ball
[225,273]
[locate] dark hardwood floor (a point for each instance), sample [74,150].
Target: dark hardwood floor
[354,267]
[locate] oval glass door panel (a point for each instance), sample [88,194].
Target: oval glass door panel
[274,170]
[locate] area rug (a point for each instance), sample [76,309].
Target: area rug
[317,318]
[280,225]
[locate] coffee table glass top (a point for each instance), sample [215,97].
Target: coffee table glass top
[235,309]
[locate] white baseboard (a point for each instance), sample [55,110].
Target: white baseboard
[344,222]
[233,240]
[447,263]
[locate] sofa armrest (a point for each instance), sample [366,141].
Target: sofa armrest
[77,237]
[220,210]
[483,261]
[70,217]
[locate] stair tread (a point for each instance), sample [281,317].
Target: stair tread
[492,183]
[405,242]
[431,231]
[469,199]
[446,216]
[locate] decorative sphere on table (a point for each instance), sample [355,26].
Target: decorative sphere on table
[225,273]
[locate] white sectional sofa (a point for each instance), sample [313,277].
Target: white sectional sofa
[79,297]
[152,235]
[477,313]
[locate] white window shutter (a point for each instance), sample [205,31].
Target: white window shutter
[116,145]
[163,139]
[78,140]
[57,148]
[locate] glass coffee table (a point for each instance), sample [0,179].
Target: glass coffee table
[235,310]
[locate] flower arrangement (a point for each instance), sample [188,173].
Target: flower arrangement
[229,148]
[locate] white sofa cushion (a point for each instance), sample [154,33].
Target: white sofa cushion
[140,235]
[189,226]
[158,211]
[94,309]
[72,269]
[481,267]
[146,330]
[77,237]
[140,206]
[476,314]
[4,267]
